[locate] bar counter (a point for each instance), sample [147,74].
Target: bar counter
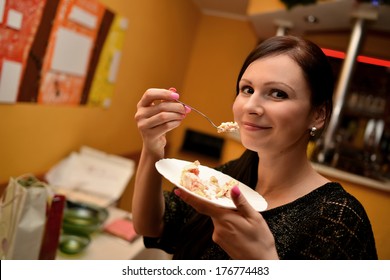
[350,177]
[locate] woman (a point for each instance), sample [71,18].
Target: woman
[284,97]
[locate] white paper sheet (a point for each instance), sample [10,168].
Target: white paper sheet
[14,19]
[124,24]
[9,81]
[72,51]
[2,6]
[92,175]
[83,17]
[114,66]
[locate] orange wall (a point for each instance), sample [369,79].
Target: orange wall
[257,6]
[157,47]
[219,51]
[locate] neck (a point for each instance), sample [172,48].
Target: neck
[285,177]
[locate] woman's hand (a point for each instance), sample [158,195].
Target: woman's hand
[155,117]
[241,233]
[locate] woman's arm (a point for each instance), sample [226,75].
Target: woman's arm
[155,117]
[148,202]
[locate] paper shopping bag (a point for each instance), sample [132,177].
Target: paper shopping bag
[23,218]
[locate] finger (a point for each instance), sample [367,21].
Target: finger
[153,94]
[158,114]
[153,128]
[241,203]
[162,110]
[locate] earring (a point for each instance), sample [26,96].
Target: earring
[313,131]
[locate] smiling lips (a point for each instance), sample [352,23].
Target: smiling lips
[252,126]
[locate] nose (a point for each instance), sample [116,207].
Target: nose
[254,105]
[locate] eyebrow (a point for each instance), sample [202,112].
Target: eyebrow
[270,83]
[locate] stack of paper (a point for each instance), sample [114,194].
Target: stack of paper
[92,176]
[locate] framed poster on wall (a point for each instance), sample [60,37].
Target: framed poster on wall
[63,52]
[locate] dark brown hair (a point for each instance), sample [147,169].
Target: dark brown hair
[318,74]
[312,60]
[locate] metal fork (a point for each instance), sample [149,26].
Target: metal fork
[200,113]
[223,127]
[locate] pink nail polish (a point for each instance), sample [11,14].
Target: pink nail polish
[175,95]
[173,89]
[177,192]
[188,109]
[236,191]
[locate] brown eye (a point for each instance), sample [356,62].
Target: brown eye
[247,90]
[279,94]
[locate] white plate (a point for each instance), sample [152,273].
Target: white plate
[171,169]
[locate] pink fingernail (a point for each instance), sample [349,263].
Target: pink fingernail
[177,192]
[173,89]
[188,109]
[236,191]
[175,95]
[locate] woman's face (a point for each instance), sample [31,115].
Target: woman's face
[273,106]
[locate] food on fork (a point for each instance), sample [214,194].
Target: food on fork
[227,127]
[223,127]
[210,188]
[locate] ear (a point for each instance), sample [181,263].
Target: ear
[318,117]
